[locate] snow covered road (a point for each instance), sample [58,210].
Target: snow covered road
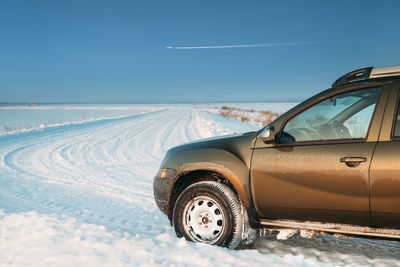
[82,195]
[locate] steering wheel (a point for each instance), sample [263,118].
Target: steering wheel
[341,131]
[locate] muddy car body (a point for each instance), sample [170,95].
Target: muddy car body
[332,164]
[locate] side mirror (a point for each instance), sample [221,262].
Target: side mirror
[268,135]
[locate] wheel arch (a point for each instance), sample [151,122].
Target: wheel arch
[189,175]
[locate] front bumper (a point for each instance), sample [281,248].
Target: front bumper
[162,185]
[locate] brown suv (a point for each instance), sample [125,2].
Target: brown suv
[330,164]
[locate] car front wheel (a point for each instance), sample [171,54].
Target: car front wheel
[209,212]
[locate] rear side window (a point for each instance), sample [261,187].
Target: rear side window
[397,125]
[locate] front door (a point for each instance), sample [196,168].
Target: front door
[319,166]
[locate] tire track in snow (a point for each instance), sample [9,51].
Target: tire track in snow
[102,174]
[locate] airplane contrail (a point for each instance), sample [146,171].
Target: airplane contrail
[243,45]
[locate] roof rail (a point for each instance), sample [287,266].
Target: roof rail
[355,75]
[367,73]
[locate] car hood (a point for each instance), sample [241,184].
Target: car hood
[237,144]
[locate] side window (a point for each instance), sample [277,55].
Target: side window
[359,122]
[397,125]
[343,116]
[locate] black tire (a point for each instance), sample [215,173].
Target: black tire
[209,212]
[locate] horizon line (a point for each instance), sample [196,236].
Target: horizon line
[292,100]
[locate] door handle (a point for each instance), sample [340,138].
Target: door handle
[353,161]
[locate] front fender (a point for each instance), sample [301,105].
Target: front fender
[215,160]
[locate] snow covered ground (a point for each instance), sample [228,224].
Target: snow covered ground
[81,194]
[272,107]
[23,118]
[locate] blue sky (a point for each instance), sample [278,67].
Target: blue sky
[116,51]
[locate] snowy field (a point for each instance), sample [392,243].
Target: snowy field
[76,190]
[23,118]
[273,107]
